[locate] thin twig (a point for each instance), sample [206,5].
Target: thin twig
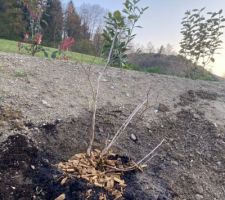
[149,154]
[88,74]
[123,127]
[95,98]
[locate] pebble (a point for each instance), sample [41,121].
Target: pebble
[133,137]
[156,111]
[163,108]
[127,94]
[46,103]
[199,196]
[104,80]
[32,167]
[174,162]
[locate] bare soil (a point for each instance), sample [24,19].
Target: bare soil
[45,117]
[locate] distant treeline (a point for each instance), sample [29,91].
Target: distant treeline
[84,24]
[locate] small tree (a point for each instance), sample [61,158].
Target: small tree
[122,26]
[72,26]
[201,36]
[11,20]
[33,12]
[52,30]
[93,16]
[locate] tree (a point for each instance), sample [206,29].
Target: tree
[119,28]
[161,50]
[169,50]
[150,48]
[11,20]
[98,41]
[53,26]
[93,17]
[72,22]
[32,12]
[201,35]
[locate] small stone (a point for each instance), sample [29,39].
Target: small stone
[219,163]
[199,196]
[58,121]
[46,103]
[32,167]
[163,108]
[196,116]
[133,137]
[127,94]
[200,189]
[174,162]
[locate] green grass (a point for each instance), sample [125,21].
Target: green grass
[20,73]
[11,47]
[155,70]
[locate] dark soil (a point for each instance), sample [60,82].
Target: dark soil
[192,96]
[26,173]
[190,165]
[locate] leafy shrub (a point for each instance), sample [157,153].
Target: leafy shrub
[20,73]
[64,46]
[201,35]
[167,64]
[84,46]
[32,45]
[119,30]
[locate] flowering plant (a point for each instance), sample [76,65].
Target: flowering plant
[33,38]
[32,45]
[64,46]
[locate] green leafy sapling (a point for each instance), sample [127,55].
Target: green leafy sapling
[121,25]
[201,36]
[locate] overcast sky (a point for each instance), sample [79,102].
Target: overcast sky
[161,22]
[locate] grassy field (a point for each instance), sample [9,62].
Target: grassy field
[11,47]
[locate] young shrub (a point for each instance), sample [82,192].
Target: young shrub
[32,45]
[64,46]
[201,36]
[121,25]
[34,10]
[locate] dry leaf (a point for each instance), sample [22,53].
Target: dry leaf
[63,181]
[83,166]
[61,197]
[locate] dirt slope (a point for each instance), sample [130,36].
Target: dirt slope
[48,102]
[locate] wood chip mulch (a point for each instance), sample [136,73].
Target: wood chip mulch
[105,172]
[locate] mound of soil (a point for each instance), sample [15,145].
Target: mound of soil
[26,173]
[189,165]
[54,97]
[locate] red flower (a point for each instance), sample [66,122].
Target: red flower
[38,38]
[66,43]
[26,37]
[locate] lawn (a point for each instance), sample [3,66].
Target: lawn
[11,47]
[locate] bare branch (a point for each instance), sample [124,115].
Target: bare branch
[95,98]
[149,154]
[123,127]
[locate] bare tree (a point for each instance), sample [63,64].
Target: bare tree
[92,16]
[150,48]
[98,41]
[169,50]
